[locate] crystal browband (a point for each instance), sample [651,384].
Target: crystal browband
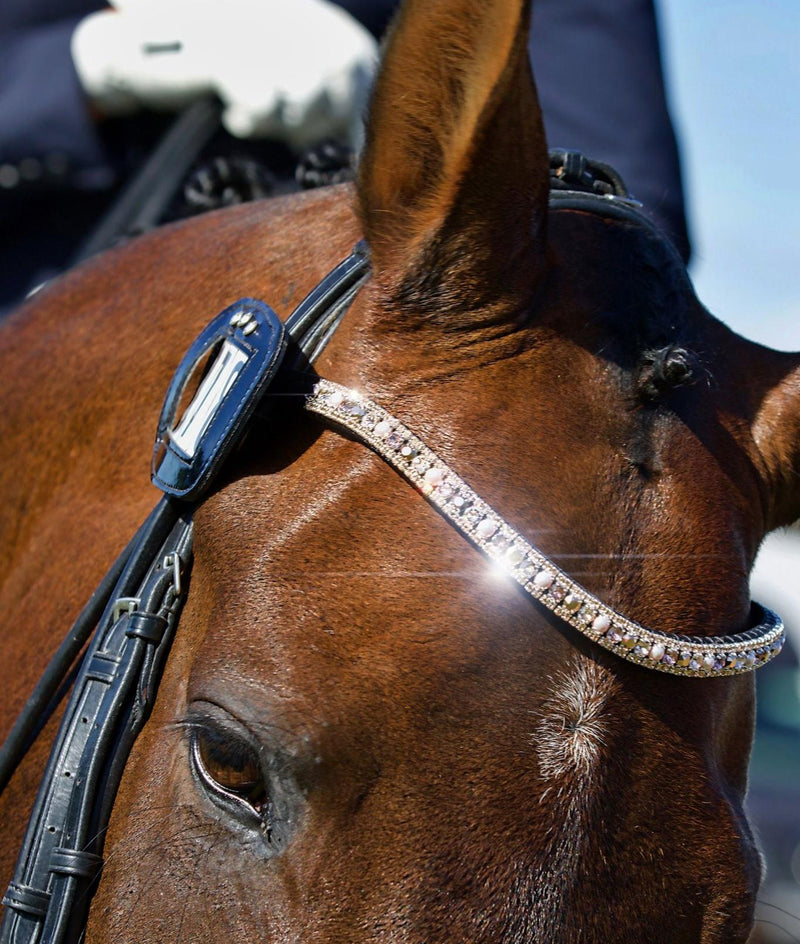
[696,656]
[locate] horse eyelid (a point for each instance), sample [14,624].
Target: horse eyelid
[218,791]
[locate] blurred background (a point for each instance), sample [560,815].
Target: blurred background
[733,72]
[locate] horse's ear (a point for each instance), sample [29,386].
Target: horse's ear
[776,433]
[453,184]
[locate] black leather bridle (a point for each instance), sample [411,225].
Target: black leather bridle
[130,620]
[135,611]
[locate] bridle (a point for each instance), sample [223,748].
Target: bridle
[136,608]
[131,618]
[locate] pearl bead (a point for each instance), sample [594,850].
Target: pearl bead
[434,476]
[543,580]
[657,652]
[601,624]
[486,528]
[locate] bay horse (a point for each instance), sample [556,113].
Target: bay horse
[363,732]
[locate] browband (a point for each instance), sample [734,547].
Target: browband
[695,656]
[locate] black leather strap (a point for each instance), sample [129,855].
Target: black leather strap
[48,900]
[111,700]
[73,862]
[46,697]
[316,318]
[27,901]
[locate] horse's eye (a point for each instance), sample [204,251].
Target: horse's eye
[229,768]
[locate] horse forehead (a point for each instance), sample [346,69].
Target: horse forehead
[334,566]
[336,497]
[333,537]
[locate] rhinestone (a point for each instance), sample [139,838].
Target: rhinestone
[458,501]
[668,659]
[719,665]
[250,327]
[383,429]
[368,422]
[435,476]
[572,603]
[500,543]
[543,580]
[685,659]
[694,665]
[709,661]
[515,555]
[601,624]
[640,652]
[394,441]
[354,408]
[558,593]
[527,571]
[408,452]
[446,491]
[421,465]
[613,636]
[335,399]
[656,652]
[472,516]
[629,642]
[731,658]
[486,528]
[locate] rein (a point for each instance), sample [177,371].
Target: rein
[137,606]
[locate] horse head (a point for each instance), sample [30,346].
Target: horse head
[366,733]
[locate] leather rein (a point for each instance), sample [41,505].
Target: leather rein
[130,620]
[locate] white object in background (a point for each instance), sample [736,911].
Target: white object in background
[295,70]
[774,580]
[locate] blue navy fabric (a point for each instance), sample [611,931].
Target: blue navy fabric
[601,87]
[597,66]
[43,109]
[56,176]
[374,14]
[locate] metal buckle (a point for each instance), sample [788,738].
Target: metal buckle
[123,605]
[173,560]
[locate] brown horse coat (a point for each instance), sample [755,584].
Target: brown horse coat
[445,762]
